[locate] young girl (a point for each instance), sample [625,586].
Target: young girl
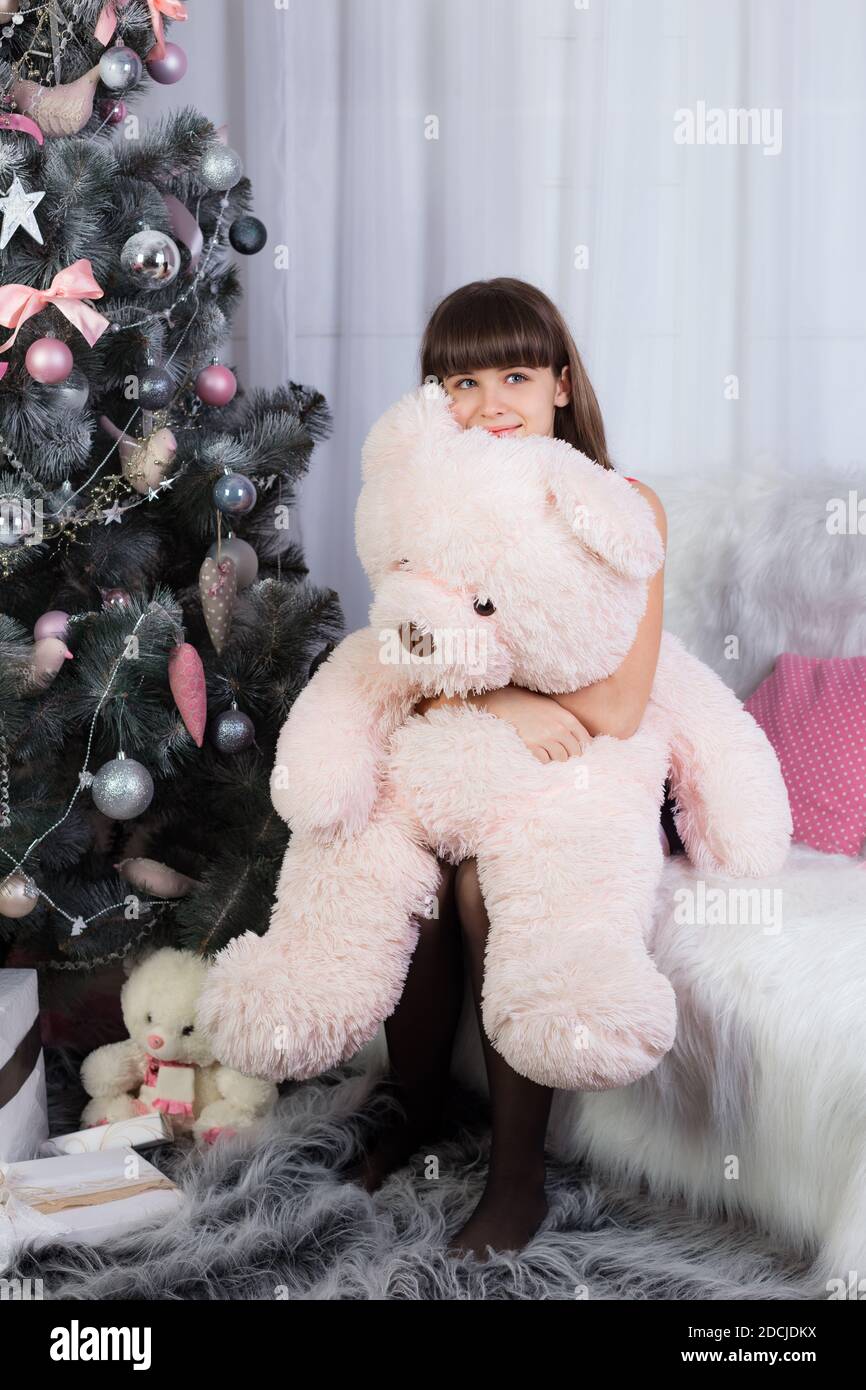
[504,354]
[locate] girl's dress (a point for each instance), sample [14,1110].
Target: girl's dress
[668,828]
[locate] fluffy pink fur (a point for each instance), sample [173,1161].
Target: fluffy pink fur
[568,854]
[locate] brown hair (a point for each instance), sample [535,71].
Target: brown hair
[505,323]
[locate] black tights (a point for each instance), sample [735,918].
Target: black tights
[421,1030]
[420,1034]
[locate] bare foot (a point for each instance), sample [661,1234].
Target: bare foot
[507,1217]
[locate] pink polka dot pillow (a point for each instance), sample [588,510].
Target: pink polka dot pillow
[813,711]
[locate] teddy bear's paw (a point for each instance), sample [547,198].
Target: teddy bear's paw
[104,1110]
[219,1120]
[591,1050]
[271,1029]
[210,1136]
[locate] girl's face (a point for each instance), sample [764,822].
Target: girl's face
[508,401]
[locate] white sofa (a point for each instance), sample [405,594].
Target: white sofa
[759,1110]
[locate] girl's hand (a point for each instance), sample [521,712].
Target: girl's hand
[550,732]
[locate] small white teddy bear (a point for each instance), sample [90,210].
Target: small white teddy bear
[167,1061]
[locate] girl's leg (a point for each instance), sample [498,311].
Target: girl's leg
[420,1034]
[513,1204]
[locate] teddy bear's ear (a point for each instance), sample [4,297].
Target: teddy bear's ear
[607,515]
[422,415]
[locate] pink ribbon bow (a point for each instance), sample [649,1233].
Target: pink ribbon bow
[107,22]
[66,291]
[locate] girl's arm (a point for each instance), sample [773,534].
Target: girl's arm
[616,705]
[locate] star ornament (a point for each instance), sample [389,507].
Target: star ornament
[17,207]
[114,513]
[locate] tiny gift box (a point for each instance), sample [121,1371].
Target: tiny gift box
[138,1132]
[81,1198]
[23,1100]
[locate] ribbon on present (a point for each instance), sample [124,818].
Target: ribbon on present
[174,1083]
[28,1211]
[67,292]
[15,1194]
[18,1067]
[107,22]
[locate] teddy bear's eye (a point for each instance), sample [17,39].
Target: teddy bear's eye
[148,1019]
[187,1030]
[484,609]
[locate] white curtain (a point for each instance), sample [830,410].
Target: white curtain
[720,311]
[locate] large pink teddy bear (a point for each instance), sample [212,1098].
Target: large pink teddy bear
[491,561]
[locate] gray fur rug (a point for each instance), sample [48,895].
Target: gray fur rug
[269,1216]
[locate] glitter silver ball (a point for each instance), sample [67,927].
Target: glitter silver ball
[156,388]
[151,259]
[232,731]
[122,789]
[119,68]
[220,168]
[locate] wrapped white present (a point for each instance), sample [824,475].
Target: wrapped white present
[81,1198]
[134,1133]
[23,1100]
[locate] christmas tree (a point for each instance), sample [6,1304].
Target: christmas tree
[156,619]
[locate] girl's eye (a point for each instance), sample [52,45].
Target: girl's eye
[522,375]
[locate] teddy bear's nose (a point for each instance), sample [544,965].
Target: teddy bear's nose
[154,1040]
[417,643]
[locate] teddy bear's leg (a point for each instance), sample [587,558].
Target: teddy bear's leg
[307,995]
[107,1109]
[571,996]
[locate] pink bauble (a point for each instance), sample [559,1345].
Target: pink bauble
[169,69]
[52,624]
[112,112]
[215,385]
[48,360]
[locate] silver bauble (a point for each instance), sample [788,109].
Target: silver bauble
[122,788]
[245,558]
[151,259]
[232,731]
[68,396]
[220,168]
[234,494]
[119,68]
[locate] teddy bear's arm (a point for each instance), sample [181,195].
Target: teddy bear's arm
[332,745]
[733,813]
[114,1068]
